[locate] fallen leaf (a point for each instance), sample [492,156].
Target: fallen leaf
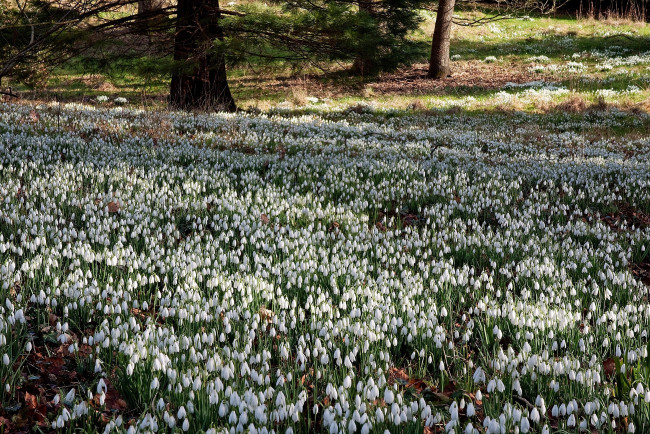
[5,423]
[113,207]
[265,219]
[266,314]
[398,375]
[432,395]
[34,116]
[609,367]
[417,384]
[30,400]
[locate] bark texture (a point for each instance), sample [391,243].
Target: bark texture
[200,81]
[439,62]
[147,16]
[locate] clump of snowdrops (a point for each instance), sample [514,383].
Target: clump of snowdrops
[271,273]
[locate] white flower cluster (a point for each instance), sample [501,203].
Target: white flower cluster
[539,59]
[271,273]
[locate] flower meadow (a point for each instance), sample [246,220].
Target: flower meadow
[331,272]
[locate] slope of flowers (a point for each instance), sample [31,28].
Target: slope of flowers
[338,272]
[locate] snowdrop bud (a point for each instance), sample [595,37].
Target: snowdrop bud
[69,397]
[470,410]
[101,386]
[534,415]
[453,410]
[388,396]
[571,422]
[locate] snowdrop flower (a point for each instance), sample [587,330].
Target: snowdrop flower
[571,422]
[388,396]
[69,397]
[242,243]
[101,386]
[534,415]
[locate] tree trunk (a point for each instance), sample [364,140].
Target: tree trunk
[439,62]
[364,64]
[200,82]
[147,17]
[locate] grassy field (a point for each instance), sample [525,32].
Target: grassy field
[469,255]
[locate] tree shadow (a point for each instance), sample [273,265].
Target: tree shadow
[554,46]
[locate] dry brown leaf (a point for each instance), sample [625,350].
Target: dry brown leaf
[113,207]
[30,400]
[609,367]
[34,116]
[266,314]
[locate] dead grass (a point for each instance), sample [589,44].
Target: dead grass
[464,74]
[578,104]
[417,105]
[574,104]
[408,81]
[299,95]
